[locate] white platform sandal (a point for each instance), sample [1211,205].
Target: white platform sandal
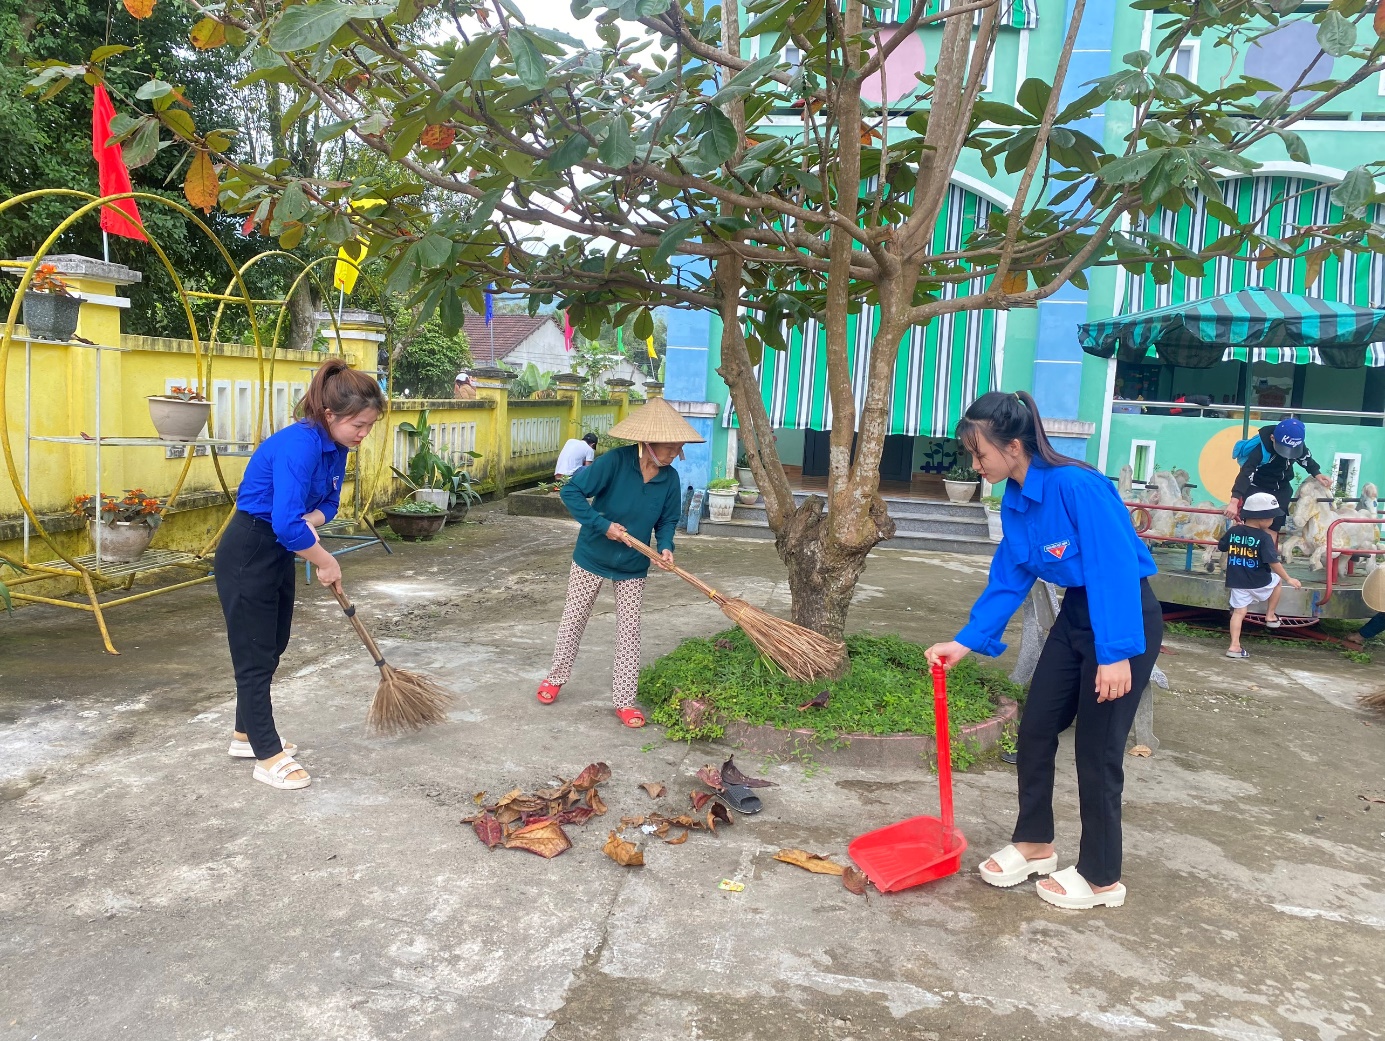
[1077,893]
[277,776]
[240,749]
[1014,868]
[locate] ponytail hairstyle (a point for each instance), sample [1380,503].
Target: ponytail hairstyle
[1000,418]
[341,390]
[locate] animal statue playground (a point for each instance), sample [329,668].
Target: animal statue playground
[1305,532]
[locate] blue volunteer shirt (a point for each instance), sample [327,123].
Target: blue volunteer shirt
[1065,525]
[293,472]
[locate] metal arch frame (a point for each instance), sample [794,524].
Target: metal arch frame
[95,578]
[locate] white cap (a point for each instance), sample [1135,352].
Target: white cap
[1260,505]
[462,377]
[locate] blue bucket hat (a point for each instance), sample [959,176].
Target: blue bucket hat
[1289,437]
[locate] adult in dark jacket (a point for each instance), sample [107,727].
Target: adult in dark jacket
[633,489]
[1270,468]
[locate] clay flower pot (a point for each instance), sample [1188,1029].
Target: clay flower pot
[176,419]
[415,527]
[960,491]
[121,542]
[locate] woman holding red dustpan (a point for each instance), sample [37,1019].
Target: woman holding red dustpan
[1063,522]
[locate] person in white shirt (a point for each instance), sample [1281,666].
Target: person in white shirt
[575,455]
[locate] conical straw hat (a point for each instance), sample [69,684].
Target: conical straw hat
[657,421]
[1373,591]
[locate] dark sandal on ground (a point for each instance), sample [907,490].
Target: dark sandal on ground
[548,692]
[741,799]
[631,717]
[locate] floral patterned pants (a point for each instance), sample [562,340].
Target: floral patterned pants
[582,588]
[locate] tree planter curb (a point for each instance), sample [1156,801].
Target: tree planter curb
[533,504]
[856,750]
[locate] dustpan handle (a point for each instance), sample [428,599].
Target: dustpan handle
[940,726]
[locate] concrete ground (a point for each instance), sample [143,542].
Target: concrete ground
[149,889]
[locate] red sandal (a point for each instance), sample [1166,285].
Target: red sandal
[631,717]
[548,692]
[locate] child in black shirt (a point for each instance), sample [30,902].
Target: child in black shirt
[1253,569]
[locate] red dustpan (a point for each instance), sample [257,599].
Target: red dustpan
[920,849]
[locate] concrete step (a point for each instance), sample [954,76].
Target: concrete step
[939,542]
[961,521]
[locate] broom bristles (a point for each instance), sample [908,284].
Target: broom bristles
[1376,700]
[406,701]
[802,653]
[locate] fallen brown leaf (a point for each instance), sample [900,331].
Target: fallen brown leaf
[699,799]
[552,793]
[1369,798]
[655,789]
[596,773]
[594,802]
[680,839]
[488,830]
[820,700]
[508,798]
[711,777]
[626,854]
[631,822]
[854,879]
[731,774]
[544,838]
[507,815]
[717,812]
[684,821]
[529,804]
[577,815]
[1142,751]
[819,865]
[479,798]
[724,645]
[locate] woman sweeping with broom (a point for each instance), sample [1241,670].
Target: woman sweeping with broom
[292,487]
[629,490]
[1063,522]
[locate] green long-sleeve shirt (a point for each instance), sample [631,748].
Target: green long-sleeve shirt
[614,489]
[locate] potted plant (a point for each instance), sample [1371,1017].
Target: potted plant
[721,497]
[992,504]
[744,474]
[747,496]
[415,521]
[961,483]
[179,415]
[127,523]
[50,311]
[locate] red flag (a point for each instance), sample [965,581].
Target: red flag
[110,168]
[567,332]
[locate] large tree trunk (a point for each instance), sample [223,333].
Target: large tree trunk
[302,318]
[822,572]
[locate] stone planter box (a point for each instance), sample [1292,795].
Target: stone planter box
[51,316]
[533,504]
[857,750]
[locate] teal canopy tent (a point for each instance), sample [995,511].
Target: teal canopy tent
[1248,326]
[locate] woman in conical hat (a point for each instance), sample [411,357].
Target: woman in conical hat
[629,489]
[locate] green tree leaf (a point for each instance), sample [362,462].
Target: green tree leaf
[618,149]
[1336,35]
[569,153]
[718,141]
[529,64]
[307,25]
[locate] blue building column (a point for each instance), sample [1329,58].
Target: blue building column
[1058,357]
[685,388]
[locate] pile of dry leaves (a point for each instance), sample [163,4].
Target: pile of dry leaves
[534,821]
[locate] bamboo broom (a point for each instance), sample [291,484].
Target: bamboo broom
[1376,700]
[803,654]
[403,700]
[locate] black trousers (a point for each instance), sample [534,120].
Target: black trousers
[255,583]
[1062,691]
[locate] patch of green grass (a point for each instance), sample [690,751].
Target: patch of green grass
[1359,657]
[888,690]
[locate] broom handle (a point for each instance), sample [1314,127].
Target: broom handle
[944,748]
[349,609]
[707,590]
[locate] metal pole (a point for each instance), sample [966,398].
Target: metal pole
[28,397]
[97,539]
[1245,390]
[106,246]
[491,327]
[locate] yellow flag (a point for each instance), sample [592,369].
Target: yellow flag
[649,344]
[351,254]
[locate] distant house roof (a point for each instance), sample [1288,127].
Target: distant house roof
[510,331]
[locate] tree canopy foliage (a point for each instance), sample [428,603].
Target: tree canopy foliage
[687,162]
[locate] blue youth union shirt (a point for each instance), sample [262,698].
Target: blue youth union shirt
[1065,525]
[293,472]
